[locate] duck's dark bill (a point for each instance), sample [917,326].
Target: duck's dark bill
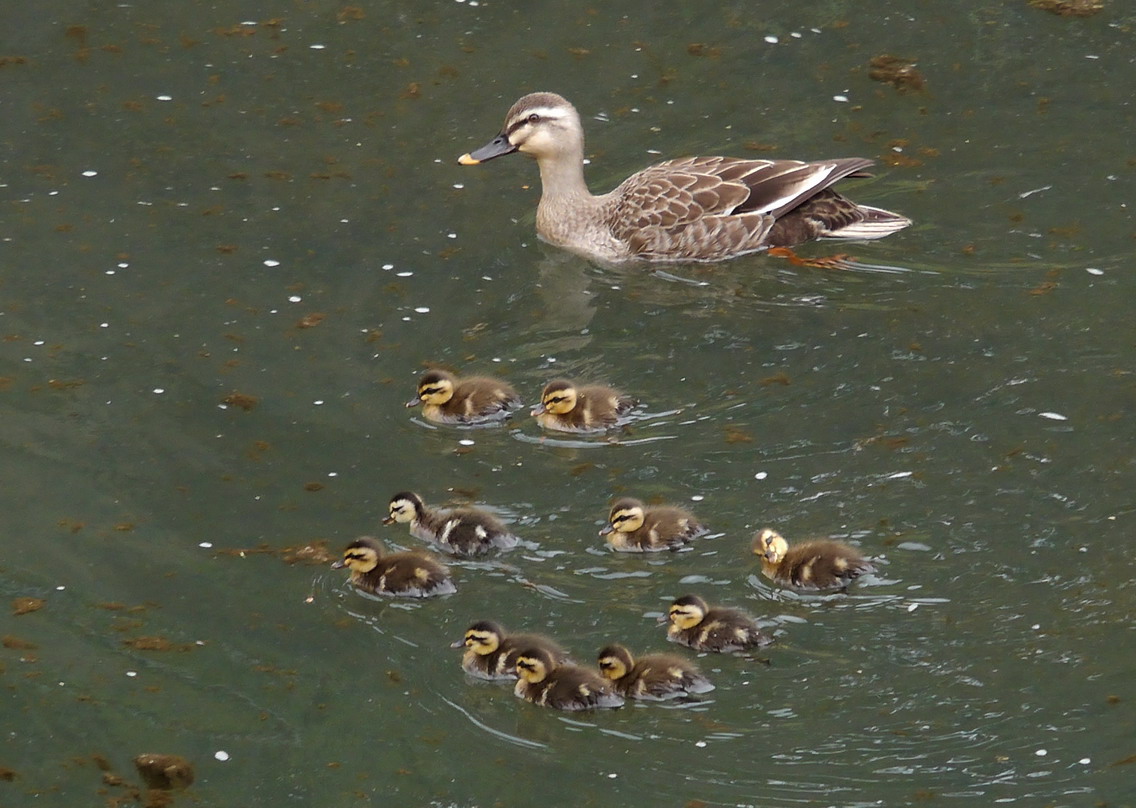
[495,148]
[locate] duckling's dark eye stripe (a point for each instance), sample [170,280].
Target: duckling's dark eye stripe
[429,391]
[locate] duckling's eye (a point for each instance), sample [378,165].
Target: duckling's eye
[554,399]
[429,391]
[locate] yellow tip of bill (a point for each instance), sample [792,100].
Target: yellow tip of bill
[467,160]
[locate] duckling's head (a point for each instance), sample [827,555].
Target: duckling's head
[360,556]
[540,125]
[615,661]
[405,506]
[434,387]
[626,516]
[687,611]
[770,545]
[558,398]
[533,664]
[483,638]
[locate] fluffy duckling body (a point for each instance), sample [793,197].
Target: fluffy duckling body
[695,624]
[464,532]
[632,527]
[408,575]
[561,687]
[570,408]
[654,676]
[813,565]
[447,399]
[491,652]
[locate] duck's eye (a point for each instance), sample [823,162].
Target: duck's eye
[533,118]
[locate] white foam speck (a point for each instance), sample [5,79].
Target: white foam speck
[843,99]
[205,544]
[90,173]
[697,498]
[1094,271]
[165,98]
[761,475]
[772,40]
[1053,416]
[294,299]
[422,310]
[159,390]
[317,47]
[465,442]
[271,263]
[221,755]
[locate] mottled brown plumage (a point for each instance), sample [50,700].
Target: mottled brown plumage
[812,565]
[491,652]
[566,407]
[447,399]
[561,687]
[653,676]
[465,532]
[689,209]
[695,624]
[411,575]
[633,527]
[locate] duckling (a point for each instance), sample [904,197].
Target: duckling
[409,575]
[811,565]
[654,676]
[491,653]
[569,408]
[464,532]
[447,399]
[632,527]
[561,687]
[695,624]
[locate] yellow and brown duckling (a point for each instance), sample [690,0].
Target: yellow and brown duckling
[695,624]
[447,399]
[465,532]
[491,652]
[654,676]
[812,565]
[561,687]
[633,527]
[408,575]
[569,407]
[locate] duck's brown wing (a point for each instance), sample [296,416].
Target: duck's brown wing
[706,208]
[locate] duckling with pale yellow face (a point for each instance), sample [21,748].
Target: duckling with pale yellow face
[561,687]
[491,652]
[408,575]
[569,407]
[633,527]
[446,399]
[811,566]
[654,677]
[465,532]
[695,624]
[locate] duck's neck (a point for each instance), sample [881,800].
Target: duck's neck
[562,178]
[564,197]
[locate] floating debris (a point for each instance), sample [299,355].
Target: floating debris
[156,643]
[16,644]
[896,71]
[164,772]
[1069,8]
[27,605]
[241,401]
[315,553]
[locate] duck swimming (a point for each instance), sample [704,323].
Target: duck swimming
[689,209]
